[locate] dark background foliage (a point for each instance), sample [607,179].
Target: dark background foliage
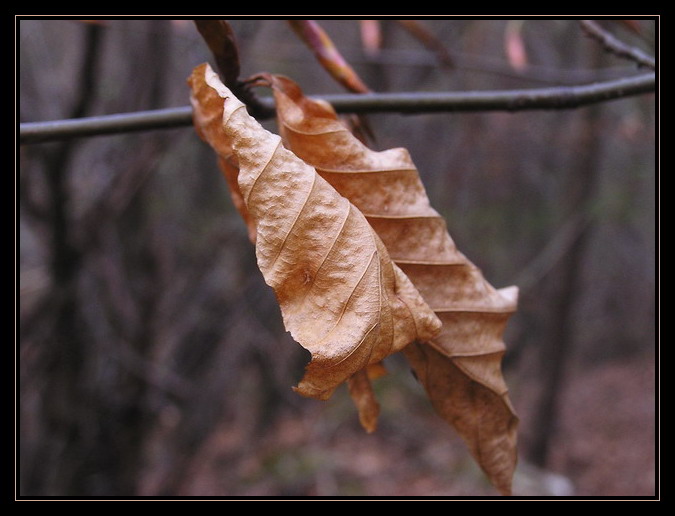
[152,357]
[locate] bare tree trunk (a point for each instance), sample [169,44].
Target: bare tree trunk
[92,415]
[556,352]
[56,465]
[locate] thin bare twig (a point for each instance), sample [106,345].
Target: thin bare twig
[429,40]
[220,39]
[330,58]
[536,73]
[546,260]
[615,46]
[563,97]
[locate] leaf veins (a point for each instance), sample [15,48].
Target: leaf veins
[461,367]
[341,296]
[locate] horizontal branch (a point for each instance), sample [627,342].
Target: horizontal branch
[38,132]
[560,97]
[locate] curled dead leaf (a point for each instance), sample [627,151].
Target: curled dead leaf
[460,368]
[341,296]
[361,392]
[479,412]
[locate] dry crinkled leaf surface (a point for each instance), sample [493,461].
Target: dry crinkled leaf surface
[341,296]
[460,368]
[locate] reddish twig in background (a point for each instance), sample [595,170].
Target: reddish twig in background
[332,61]
[371,36]
[631,25]
[429,40]
[615,46]
[514,46]
[330,58]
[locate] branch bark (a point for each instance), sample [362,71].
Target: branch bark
[221,41]
[615,46]
[562,97]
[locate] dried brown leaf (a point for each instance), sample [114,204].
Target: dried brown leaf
[361,391]
[460,368]
[340,295]
[479,412]
[230,170]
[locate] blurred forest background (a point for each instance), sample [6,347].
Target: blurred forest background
[152,357]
